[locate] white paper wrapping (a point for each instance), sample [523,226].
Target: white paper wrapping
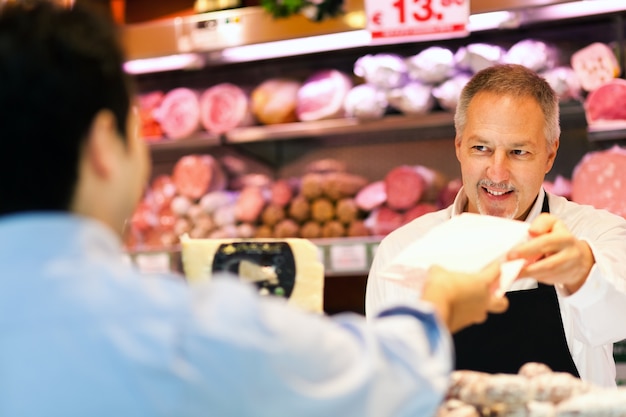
[465,243]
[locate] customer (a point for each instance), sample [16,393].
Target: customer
[82,333]
[507,136]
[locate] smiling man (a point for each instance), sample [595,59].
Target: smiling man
[564,306]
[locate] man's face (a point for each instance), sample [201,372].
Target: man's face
[503,154]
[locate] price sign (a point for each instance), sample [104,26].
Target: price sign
[391,19]
[153,263]
[348,258]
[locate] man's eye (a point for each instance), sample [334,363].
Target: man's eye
[520,152]
[480,148]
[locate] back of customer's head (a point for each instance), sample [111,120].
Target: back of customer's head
[516,81]
[58,68]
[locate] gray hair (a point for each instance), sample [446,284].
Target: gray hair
[517,81]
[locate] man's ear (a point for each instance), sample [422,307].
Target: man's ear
[100,146]
[552,150]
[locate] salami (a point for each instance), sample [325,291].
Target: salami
[419,210]
[371,196]
[250,204]
[404,186]
[179,113]
[599,178]
[224,107]
[383,220]
[195,175]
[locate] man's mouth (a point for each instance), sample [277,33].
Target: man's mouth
[496,193]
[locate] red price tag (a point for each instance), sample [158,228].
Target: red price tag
[417,18]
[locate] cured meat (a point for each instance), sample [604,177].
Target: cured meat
[419,210]
[599,180]
[384,220]
[478,56]
[448,193]
[560,186]
[338,185]
[322,95]
[531,53]
[435,182]
[564,82]
[274,101]
[607,102]
[382,71]
[595,65]
[404,186]
[414,98]
[448,92]
[433,65]
[366,102]
[148,104]
[224,107]
[195,175]
[347,210]
[286,228]
[281,193]
[250,204]
[162,191]
[179,113]
[371,196]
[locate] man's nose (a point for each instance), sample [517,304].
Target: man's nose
[499,167]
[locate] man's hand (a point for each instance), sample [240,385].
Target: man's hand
[554,255]
[463,299]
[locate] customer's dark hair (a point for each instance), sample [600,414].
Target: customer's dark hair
[58,68]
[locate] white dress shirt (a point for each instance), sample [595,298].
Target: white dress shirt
[593,317]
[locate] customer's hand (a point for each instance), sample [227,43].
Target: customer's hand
[463,299]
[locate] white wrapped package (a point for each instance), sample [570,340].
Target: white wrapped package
[465,243]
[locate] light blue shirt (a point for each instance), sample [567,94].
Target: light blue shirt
[83,333]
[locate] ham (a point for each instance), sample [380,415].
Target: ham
[322,95]
[595,65]
[606,103]
[599,179]
[179,113]
[224,107]
[195,175]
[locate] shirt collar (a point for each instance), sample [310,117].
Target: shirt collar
[460,202]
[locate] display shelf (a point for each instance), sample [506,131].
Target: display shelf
[337,127]
[348,256]
[572,112]
[607,131]
[200,139]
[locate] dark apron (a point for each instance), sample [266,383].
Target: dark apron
[531,330]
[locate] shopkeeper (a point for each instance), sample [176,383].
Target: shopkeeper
[568,306]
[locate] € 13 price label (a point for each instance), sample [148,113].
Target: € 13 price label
[417,18]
